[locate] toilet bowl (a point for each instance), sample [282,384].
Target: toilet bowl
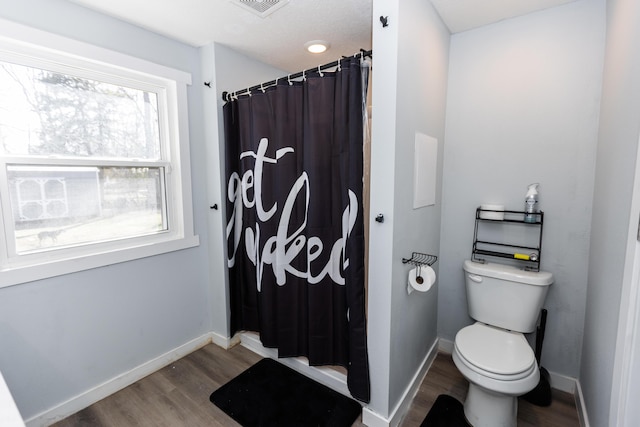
[499,366]
[493,354]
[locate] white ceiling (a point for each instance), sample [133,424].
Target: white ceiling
[279,38]
[463,15]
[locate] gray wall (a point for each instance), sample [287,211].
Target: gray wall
[409,93]
[63,336]
[228,71]
[614,218]
[423,60]
[523,100]
[523,107]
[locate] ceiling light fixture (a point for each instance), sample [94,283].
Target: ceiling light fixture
[317,46]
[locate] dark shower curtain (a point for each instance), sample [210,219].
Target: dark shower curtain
[295,233]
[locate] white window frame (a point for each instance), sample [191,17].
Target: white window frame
[34,46]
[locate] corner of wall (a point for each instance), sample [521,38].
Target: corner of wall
[372,419]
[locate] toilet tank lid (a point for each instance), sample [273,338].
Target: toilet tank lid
[509,272]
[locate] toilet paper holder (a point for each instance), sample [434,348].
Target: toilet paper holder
[422,276]
[419,259]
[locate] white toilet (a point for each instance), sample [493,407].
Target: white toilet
[493,354]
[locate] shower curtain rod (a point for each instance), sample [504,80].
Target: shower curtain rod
[228,96]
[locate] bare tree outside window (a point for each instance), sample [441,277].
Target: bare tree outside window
[96,171]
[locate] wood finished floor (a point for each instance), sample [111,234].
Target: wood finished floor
[178,395]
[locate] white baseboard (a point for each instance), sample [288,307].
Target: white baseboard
[445,346]
[115,384]
[225,342]
[558,382]
[582,409]
[372,419]
[329,377]
[563,383]
[338,381]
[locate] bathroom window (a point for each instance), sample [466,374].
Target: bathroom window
[93,157]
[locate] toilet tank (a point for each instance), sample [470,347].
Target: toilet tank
[505,296]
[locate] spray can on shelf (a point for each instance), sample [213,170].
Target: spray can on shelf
[531,203]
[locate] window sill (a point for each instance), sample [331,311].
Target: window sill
[17,275]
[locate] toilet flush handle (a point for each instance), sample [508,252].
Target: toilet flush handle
[477,279]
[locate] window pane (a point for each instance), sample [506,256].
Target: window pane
[48,113]
[66,206]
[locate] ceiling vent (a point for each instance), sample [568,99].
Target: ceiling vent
[262,8]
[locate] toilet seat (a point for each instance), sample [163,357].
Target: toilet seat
[495,353]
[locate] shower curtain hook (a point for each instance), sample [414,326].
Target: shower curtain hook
[261,88]
[320,72]
[339,66]
[303,76]
[289,79]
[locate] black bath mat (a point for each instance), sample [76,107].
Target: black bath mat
[446,411]
[271,394]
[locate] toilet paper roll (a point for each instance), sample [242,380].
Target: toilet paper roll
[421,279]
[492,212]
